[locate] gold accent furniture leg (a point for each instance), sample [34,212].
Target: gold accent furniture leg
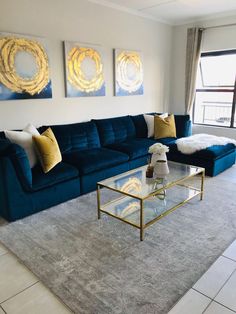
[141,221]
[202,184]
[98,201]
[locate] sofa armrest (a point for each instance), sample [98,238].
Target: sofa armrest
[16,154]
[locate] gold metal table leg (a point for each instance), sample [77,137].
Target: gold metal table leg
[202,185]
[98,201]
[141,221]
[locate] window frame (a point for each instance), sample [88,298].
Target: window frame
[222,89]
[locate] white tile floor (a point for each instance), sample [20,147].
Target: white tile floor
[215,291]
[21,292]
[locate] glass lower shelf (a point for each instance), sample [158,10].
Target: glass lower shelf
[128,208]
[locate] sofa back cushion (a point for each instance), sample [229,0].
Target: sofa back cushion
[2,135]
[77,136]
[115,130]
[140,126]
[183,125]
[182,122]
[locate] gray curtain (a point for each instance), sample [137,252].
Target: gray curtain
[193,52]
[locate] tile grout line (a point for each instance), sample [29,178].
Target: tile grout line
[224,306]
[218,290]
[3,310]
[38,280]
[1,303]
[207,296]
[229,258]
[224,282]
[207,306]
[213,300]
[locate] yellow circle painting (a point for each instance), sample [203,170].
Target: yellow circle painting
[10,77]
[85,69]
[129,72]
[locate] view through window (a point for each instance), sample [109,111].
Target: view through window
[216,89]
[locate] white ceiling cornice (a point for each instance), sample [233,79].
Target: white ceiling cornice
[128,10]
[206,18]
[140,13]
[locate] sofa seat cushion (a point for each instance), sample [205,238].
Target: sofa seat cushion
[91,160]
[212,152]
[135,148]
[166,141]
[60,173]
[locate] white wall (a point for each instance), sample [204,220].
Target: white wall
[85,22]
[213,39]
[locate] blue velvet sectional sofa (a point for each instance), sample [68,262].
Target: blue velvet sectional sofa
[91,151]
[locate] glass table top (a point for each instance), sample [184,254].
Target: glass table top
[134,183]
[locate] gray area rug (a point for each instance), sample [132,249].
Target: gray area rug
[101,267]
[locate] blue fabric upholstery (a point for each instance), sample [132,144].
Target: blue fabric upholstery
[17,203]
[222,164]
[212,152]
[77,136]
[134,148]
[89,181]
[24,191]
[92,160]
[60,173]
[135,163]
[183,125]
[140,126]
[19,160]
[214,159]
[166,141]
[115,130]
[2,135]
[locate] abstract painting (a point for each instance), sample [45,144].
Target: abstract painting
[84,70]
[128,72]
[24,67]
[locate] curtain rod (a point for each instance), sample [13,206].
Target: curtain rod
[218,26]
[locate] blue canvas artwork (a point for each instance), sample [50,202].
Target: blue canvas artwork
[84,70]
[24,67]
[128,72]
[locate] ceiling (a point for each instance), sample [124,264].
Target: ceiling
[174,12]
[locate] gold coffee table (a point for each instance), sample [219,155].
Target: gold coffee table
[139,201]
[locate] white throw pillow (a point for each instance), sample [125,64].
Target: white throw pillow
[150,122]
[30,128]
[24,139]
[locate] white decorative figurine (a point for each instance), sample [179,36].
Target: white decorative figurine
[159,160]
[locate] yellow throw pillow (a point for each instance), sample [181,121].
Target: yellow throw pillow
[47,149]
[164,127]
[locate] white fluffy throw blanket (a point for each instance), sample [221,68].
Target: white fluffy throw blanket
[194,143]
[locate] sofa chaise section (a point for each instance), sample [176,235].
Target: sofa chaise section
[215,159]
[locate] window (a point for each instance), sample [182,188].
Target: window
[216,89]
